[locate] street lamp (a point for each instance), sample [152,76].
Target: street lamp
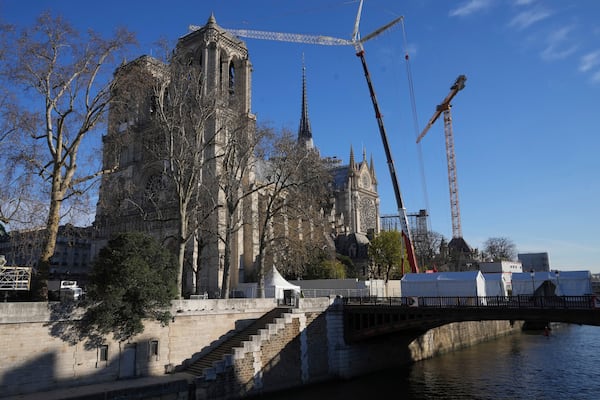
[557,272]
[532,273]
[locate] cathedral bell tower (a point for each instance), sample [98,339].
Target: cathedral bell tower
[227,69]
[139,178]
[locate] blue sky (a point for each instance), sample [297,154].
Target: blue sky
[525,126]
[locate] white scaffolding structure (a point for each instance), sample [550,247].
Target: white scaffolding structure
[14,278]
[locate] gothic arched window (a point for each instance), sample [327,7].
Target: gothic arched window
[155,191]
[231,78]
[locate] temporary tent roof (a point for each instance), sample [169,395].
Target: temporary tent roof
[440,284]
[574,283]
[494,285]
[275,285]
[567,283]
[524,283]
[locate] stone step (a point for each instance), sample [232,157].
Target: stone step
[263,325]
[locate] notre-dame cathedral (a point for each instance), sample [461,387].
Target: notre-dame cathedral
[227,69]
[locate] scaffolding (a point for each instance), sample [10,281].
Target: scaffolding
[14,278]
[419,224]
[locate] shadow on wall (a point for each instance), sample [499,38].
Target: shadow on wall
[95,361]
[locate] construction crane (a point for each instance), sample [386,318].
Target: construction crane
[357,42]
[445,107]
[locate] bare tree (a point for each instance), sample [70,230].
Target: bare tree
[235,153]
[19,205]
[182,111]
[500,248]
[295,189]
[17,200]
[427,249]
[64,72]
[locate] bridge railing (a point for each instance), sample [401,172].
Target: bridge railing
[521,301]
[345,293]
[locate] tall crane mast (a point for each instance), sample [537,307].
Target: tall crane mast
[445,107]
[357,42]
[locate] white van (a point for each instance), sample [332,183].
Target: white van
[69,291]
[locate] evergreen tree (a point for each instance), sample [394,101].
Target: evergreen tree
[133,279]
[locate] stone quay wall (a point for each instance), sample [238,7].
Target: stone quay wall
[305,346]
[308,347]
[36,355]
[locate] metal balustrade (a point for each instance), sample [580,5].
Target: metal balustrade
[509,302]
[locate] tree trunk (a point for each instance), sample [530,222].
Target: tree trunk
[226,264]
[181,253]
[52,225]
[180,261]
[260,276]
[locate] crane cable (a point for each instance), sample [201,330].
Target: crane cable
[414,113]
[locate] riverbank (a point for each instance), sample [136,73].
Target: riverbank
[525,365]
[303,347]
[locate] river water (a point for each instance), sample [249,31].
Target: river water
[562,365]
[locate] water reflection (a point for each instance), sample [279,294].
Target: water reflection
[562,365]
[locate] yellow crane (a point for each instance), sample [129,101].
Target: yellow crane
[445,107]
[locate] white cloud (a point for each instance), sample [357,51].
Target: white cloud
[523,2]
[589,61]
[557,47]
[552,52]
[527,18]
[470,7]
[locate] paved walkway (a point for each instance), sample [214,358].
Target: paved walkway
[80,392]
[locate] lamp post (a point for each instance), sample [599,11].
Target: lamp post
[557,272]
[532,273]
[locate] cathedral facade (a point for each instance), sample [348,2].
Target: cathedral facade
[138,197]
[127,196]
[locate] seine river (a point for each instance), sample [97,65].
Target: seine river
[562,365]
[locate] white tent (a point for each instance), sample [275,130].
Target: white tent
[275,285]
[443,284]
[419,285]
[565,283]
[525,283]
[574,283]
[494,285]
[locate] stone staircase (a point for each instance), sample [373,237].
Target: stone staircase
[211,360]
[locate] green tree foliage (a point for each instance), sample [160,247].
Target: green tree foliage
[351,271]
[133,279]
[388,256]
[326,269]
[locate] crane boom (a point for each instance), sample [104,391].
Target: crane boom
[445,107]
[286,37]
[412,260]
[358,45]
[445,104]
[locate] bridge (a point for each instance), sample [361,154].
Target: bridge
[370,317]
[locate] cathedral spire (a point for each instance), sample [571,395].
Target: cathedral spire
[304,131]
[372,169]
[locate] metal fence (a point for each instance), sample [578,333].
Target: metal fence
[521,301]
[353,293]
